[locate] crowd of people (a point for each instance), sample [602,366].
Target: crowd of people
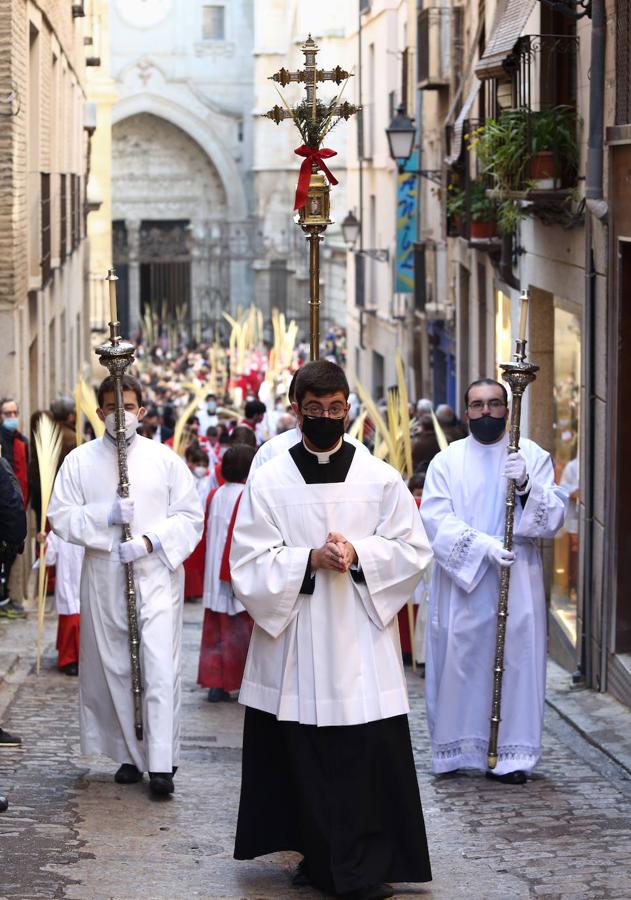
[308,554]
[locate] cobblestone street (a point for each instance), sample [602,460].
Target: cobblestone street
[70,832]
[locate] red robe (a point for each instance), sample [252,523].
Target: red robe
[225,639]
[402,615]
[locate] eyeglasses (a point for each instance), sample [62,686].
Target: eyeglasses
[478,405]
[334,411]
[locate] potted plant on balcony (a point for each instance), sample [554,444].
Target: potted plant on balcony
[501,148]
[554,146]
[454,208]
[483,212]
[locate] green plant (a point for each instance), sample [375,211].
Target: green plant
[483,208]
[555,129]
[501,148]
[455,200]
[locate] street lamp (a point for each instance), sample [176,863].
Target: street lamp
[401,134]
[351,229]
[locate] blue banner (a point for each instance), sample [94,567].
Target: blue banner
[406,226]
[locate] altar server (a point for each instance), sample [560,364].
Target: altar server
[328,546]
[463,510]
[68,560]
[166,520]
[286,439]
[227,626]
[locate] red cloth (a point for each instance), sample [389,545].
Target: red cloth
[404,624]
[224,648]
[195,564]
[312,155]
[68,640]
[224,569]
[218,475]
[194,572]
[20,465]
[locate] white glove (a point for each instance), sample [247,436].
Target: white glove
[496,554]
[128,551]
[515,467]
[122,511]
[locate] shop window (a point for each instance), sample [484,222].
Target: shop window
[567,370]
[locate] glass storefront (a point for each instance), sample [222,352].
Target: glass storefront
[567,363]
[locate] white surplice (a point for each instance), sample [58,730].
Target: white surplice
[463,504]
[332,657]
[283,441]
[218,595]
[167,507]
[68,560]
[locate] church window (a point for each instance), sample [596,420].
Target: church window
[213,23]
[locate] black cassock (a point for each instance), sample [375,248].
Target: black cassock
[346,796]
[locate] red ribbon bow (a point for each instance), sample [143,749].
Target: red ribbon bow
[312,155]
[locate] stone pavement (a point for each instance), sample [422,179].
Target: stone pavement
[70,832]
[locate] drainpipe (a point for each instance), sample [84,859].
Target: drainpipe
[596,207]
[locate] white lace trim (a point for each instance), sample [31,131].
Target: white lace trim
[460,550]
[476,747]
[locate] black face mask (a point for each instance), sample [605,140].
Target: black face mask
[487,429]
[322,431]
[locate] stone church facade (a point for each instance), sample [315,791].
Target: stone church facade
[202,186]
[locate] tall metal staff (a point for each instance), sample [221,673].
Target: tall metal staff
[314,119]
[518,374]
[116,355]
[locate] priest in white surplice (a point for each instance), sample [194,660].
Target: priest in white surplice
[327,547]
[166,520]
[463,511]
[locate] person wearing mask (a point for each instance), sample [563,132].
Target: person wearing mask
[151,427]
[12,536]
[227,626]
[328,545]
[166,521]
[286,439]
[205,482]
[463,510]
[14,448]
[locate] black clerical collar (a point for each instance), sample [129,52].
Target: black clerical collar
[314,472]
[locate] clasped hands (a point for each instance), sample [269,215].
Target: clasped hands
[337,554]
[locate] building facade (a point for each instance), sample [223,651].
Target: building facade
[551,87]
[184,233]
[381,301]
[282,270]
[44,326]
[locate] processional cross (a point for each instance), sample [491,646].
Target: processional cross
[314,119]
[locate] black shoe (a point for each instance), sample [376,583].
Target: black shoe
[4,804]
[128,774]
[9,740]
[70,669]
[420,668]
[161,783]
[11,609]
[516,777]
[217,695]
[376,892]
[300,878]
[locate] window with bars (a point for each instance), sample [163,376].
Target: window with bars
[623,62]
[213,23]
[63,218]
[45,224]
